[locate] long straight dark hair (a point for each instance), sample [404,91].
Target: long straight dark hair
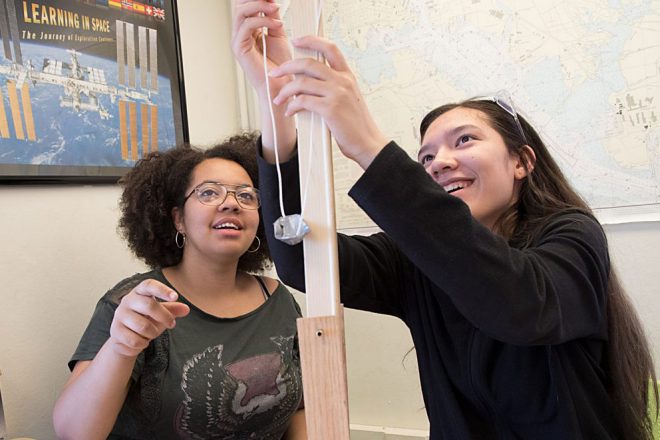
[544,193]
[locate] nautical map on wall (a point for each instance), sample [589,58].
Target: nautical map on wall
[586,74]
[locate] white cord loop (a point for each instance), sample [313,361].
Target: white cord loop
[290,229]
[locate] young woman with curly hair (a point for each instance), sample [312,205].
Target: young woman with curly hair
[199,346]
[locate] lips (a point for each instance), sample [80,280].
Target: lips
[228,224]
[455,185]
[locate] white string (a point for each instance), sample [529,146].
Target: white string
[319,8]
[264,31]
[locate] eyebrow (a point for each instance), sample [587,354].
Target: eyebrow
[239,185]
[451,132]
[223,183]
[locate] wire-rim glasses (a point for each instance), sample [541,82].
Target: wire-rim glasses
[215,194]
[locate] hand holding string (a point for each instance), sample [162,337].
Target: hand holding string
[249,21]
[259,43]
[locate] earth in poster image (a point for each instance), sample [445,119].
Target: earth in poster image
[66,136]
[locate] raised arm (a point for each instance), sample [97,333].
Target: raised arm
[249,20]
[551,292]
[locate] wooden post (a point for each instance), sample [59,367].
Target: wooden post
[323,362]
[321,333]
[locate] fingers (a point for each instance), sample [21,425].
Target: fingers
[300,86]
[247,19]
[155,289]
[177,309]
[314,77]
[127,342]
[250,8]
[311,78]
[141,318]
[142,301]
[249,28]
[312,104]
[302,66]
[136,324]
[327,48]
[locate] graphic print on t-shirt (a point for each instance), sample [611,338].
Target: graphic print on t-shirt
[241,400]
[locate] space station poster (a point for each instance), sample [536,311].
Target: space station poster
[87,87]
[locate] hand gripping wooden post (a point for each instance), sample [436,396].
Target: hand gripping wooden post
[321,333]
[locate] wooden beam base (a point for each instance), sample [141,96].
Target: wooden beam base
[323,362]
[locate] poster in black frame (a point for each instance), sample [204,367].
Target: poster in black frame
[87,87]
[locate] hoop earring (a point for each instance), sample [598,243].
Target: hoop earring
[258,246]
[180,239]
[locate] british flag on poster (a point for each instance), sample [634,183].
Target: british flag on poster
[158,13]
[127,4]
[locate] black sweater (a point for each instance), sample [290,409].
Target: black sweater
[510,342]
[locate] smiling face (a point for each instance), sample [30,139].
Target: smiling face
[470,160]
[224,232]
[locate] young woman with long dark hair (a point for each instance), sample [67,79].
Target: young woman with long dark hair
[496,265]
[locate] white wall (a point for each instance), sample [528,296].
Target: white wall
[60,252]
[635,252]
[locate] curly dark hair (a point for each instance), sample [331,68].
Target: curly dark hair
[158,183]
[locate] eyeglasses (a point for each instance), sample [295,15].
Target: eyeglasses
[503,99]
[215,194]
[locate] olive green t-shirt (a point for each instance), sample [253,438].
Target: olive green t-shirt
[208,377]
